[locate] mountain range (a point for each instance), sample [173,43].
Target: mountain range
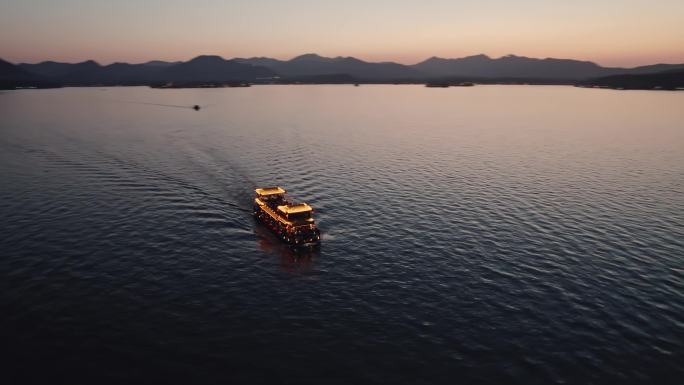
[672,79]
[312,68]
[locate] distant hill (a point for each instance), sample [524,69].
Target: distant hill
[13,76]
[61,71]
[668,80]
[90,72]
[313,68]
[315,65]
[648,69]
[9,71]
[199,69]
[510,66]
[214,69]
[160,63]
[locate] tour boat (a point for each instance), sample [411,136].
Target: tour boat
[291,222]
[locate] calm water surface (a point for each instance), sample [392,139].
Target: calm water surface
[494,234]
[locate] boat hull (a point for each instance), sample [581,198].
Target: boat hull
[293,237]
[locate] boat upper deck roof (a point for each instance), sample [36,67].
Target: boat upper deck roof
[294,209]
[266,191]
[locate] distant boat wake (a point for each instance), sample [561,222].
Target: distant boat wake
[192,107]
[231,163]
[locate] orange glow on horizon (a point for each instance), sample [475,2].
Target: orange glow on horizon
[610,33]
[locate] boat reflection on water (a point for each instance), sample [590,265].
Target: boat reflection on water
[292,259]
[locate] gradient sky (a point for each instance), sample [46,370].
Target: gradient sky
[610,32]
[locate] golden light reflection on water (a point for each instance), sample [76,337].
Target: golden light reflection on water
[292,260]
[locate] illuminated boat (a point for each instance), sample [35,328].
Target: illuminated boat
[293,223]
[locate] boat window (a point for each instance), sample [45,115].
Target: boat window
[273,199]
[299,216]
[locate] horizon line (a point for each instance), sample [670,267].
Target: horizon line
[334,57]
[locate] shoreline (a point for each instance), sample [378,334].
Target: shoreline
[355,84]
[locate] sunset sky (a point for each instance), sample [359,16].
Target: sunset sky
[610,32]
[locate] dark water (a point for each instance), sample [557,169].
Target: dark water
[494,234]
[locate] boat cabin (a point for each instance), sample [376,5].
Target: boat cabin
[272,196]
[299,214]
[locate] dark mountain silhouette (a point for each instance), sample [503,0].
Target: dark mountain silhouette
[314,57]
[213,69]
[90,72]
[509,67]
[9,71]
[315,65]
[48,69]
[668,80]
[648,69]
[313,68]
[260,61]
[61,71]
[199,69]
[122,73]
[161,63]
[13,76]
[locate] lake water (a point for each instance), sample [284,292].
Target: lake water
[493,234]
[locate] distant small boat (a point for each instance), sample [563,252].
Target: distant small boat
[196,107]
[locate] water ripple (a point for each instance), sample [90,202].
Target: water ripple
[460,239]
